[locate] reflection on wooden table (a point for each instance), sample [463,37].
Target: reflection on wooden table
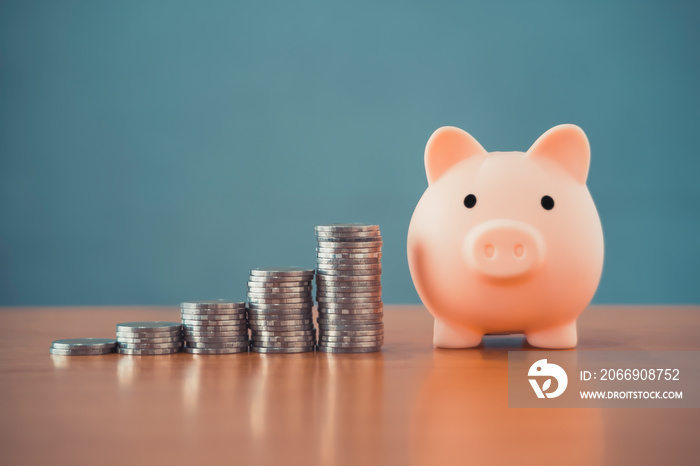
[409,404]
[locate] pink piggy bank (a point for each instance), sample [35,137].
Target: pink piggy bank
[506,242]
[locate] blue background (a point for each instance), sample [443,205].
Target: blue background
[152,152]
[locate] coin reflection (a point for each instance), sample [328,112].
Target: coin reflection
[461,417]
[351,406]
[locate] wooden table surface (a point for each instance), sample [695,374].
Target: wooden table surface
[409,404]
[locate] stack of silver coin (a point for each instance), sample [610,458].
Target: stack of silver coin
[142,338]
[215,327]
[280,310]
[349,288]
[83,346]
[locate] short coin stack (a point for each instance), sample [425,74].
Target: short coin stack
[348,288]
[280,310]
[83,346]
[214,327]
[149,338]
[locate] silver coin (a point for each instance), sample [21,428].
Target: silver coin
[261,283]
[231,334]
[350,301]
[344,280]
[367,338]
[355,250]
[279,290]
[188,323]
[282,333]
[348,280]
[345,265]
[214,312]
[305,299]
[279,322]
[346,294]
[220,331]
[346,227]
[334,324]
[308,339]
[150,340]
[149,352]
[265,317]
[350,320]
[355,305]
[361,236]
[218,344]
[365,344]
[213,323]
[284,337]
[333,270]
[172,345]
[350,312]
[348,255]
[281,272]
[350,333]
[357,327]
[85,343]
[304,349]
[199,326]
[282,328]
[300,344]
[366,275]
[263,313]
[216,341]
[214,333]
[258,316]
[279,281]
[80,352]
[143,327]
[207,317]
[148,335]
[348,261]
[283,320]
[349,244]
[349,236]
[242,349]
[359,270]
[273,306]
[283,295]
[324,329]
[348,289]
[325,349]
[215,304]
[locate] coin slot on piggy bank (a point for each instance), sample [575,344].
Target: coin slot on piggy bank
[506,242]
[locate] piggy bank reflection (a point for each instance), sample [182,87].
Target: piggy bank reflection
[506,242]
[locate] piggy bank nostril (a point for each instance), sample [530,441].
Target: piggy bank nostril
[519,250]
[489,250]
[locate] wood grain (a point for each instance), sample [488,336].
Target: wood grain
[409,404]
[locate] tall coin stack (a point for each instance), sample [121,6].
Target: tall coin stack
[349,288]
[214,327]
[149,338]
[280,310]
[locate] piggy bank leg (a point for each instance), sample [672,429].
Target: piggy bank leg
[560,337]
[449,336]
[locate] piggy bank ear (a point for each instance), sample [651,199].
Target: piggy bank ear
[447,146]
[566,145]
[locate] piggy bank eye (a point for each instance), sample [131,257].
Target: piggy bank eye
[470,201]
[547,203]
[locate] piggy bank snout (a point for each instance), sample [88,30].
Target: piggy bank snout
[504,249]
